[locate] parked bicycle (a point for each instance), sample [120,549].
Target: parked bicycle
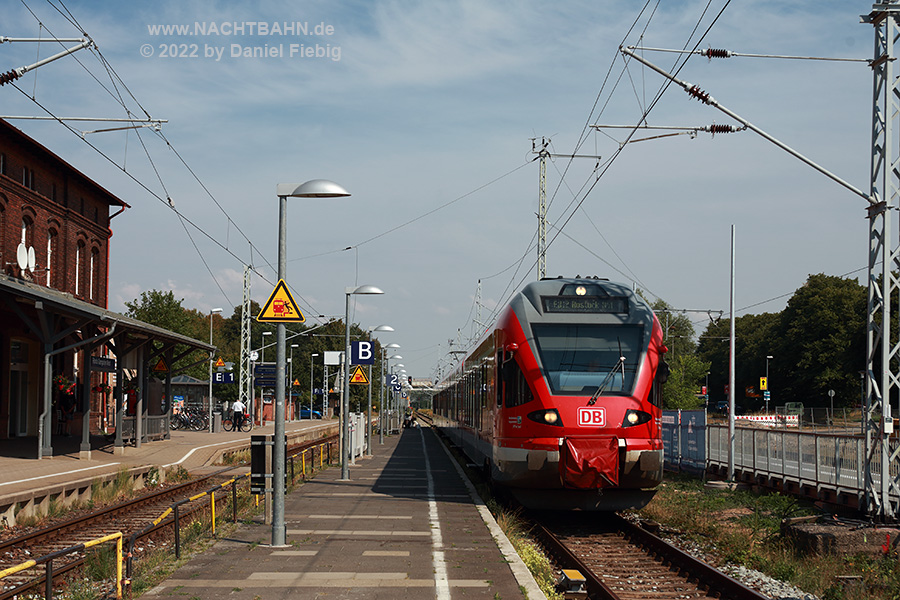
[228,423]
[189,419]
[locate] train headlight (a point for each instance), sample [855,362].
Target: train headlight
[546,417]
[635,417]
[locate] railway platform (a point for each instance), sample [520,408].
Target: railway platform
[406,524]
[28,485]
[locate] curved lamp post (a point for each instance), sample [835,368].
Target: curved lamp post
[381,411]
[346,451]
[387,328]
[211,354]
[315,188]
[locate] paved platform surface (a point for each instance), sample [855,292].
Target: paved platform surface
[194,450]
[404,526]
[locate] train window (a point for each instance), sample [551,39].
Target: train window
[579,358]
[516,389]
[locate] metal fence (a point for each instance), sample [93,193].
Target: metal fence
[684,440]
[834,462]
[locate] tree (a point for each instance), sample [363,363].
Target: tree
[687,371]
[160,309]
[817,343]
[822,334]
[680,390]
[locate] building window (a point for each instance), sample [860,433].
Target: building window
[27,232]
[79,253]
[94,291]
[2,164]
[28,178]
[51,253]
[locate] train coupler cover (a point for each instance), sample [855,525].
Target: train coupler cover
[591,463]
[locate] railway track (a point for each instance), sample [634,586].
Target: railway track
[621,560]
[129,517]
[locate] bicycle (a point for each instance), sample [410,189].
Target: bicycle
[246,423]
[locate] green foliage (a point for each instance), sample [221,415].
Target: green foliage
[164,310]
[817,343]
[680,391]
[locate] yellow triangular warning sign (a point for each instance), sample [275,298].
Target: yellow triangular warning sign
[280,308]
[219,363]
[359,376]
[161,366]
[296,382]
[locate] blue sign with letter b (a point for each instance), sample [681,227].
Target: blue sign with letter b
[362,353]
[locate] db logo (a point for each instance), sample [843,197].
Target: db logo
[591,417]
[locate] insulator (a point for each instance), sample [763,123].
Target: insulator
[698,94]
[716,128]
[8,76]
[716,53]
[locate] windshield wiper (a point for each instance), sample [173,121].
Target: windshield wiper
[602,387]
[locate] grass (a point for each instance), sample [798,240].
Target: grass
[742,527]
[517,530]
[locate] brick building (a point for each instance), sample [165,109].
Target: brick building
[57,336]
[58,214]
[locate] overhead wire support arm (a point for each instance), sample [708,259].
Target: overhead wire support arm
[711,53]
[16,73]
[154,124]
[690,131]
[706,98]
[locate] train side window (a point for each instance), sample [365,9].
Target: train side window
[516,389]
[501,381]
[662,374]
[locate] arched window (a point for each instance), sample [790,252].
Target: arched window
[95,274]
[51,255]
[79,267]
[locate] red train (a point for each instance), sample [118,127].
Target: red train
[560,401]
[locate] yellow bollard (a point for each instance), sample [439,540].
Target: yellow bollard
[119,559]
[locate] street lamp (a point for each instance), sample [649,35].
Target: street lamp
[381,411]
[311,390]
[315,188]
[211,354]
[345,392]
[369,406]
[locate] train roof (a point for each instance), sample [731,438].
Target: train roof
[564,297]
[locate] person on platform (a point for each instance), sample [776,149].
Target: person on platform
[237,417]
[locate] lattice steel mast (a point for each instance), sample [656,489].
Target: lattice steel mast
[245,375]
[881,342]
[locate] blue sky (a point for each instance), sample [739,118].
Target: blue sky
[427,115]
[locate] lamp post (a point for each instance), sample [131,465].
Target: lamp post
[345,392]
[291,380]
[767,393]
[315,188]
[400,372]
[211,354]
[311,390]
[391,401]
[369,407]
[263,348]
[381,411]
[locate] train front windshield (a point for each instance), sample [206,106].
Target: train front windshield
[579,359]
